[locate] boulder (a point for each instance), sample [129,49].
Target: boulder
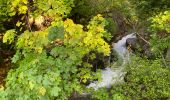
[132,43]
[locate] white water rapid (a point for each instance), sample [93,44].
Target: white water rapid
[113,75]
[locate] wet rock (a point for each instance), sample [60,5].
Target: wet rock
[132,43]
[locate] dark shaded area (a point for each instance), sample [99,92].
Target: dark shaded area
[77,96]
[6,52]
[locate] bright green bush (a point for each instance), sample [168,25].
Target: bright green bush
[11,8]
[48,63]
[161,22]
[160,28]
[147,79]
[39,75]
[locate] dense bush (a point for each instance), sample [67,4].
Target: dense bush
[55,73]
[147,8]
[92,7]
[160,29]
[48,63]
[145,79]
[120,13]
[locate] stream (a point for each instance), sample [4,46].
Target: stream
[112,75]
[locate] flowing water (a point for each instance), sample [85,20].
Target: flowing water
[113,75]
[121,49]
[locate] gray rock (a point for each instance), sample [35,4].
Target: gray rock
[132,43]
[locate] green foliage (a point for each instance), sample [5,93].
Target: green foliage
[107,7]
[112,26]
[147,8]
[9,36]
[161,22]
[54,7]
[49,61]
[161,29]
[101,25]
[92,7]
[91,39]
[51,7]
[145,79]
[101,94]
[54,74]
[21,13]
[126,8]
[36,73]
[119,96]
[52,33]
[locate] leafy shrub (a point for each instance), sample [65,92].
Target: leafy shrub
[101,94]
[147,8]
[22,14]
[48,63]
[160,28]
[145,79]
[120,9]
[92,7]
[41,74]
[112,26]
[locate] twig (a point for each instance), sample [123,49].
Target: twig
[163,59]
[143,39]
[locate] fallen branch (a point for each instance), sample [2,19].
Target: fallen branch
[143,39]
[163,59]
